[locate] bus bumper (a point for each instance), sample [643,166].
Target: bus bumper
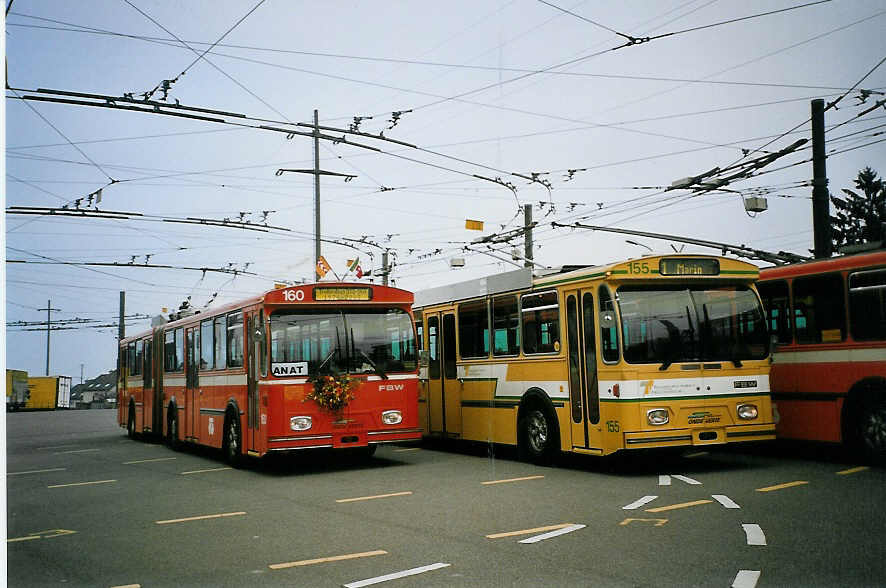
[702,436]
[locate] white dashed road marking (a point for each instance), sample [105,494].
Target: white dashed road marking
[725,500]
[639,503]
[746,579]
[755,534]
[397,575]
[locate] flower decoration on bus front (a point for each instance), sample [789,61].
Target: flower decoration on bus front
[332,392]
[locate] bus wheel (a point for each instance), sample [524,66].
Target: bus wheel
[231,443]
[172,432]
[130,424]
[872,429]
[535,442]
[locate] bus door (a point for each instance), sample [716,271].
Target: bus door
[157,400]
[451,383]
[435,374]
[444,389]
[192,384]
[583,391]
[254,339]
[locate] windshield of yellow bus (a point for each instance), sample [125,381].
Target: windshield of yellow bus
[665,325]
[313,342]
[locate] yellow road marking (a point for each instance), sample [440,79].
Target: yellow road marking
[40,535]
[658,522]
[309,562]
[528,531]
[204,471]
[28,538]
[374,497]
[128,586]
[676,506]
[512,480]
[782,486]
[149,460]
[201,518]
[853,470]
[82,484]
[36,472]
[407,449]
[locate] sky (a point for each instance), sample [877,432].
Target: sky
[587,111]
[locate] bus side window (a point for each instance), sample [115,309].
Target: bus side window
[505,326]
[819,308]
[206,345]
[179,349]
[433,347]
[608,327]
[139,358]
[149,363]
[776,303]
[219,342]
[867,304]
[169,351]
[473,329]
[541,322]
[235,339]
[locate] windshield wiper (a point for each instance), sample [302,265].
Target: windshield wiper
[332,352]
[328,357]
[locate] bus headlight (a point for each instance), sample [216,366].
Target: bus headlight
[747,411]
[300,423]
[657,416]
[392,417]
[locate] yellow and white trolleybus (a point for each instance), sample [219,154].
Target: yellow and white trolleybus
[662,351]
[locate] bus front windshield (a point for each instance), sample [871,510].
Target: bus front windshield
[696,323]
[355,341]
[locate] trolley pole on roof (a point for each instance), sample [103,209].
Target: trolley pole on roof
[48,310]
[821,210]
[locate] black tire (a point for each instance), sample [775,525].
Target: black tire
[172,439]
[871,429]
[130,424]
[231,445]
[368,451]
[537,440]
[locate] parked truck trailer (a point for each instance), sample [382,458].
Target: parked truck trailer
[48,392]
[16,389]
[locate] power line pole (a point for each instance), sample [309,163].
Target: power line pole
[48,310]
[316,195]
[121,327]
[821,210]
[317,172]
[527,235]
[384,268]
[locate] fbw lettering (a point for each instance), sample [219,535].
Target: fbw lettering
[390,387]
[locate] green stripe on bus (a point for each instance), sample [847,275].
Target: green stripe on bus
[700,397]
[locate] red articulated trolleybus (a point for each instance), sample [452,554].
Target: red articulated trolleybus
[327,365]
[829,371]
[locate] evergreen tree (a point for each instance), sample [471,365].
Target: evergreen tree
[860,217]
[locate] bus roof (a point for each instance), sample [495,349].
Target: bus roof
[523,279]
[830,264]
[275,297]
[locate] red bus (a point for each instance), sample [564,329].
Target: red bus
[329,365]
[828,374]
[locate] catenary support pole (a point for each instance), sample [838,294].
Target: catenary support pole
[527,235]
[821,210]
